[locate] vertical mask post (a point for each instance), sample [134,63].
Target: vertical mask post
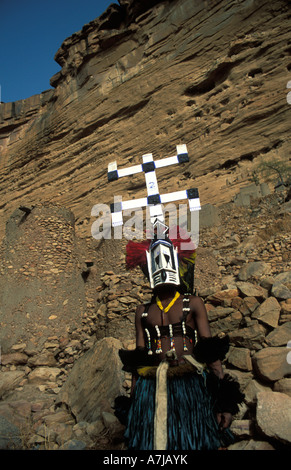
[162,257]
[153,199]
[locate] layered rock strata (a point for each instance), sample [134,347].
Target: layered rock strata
[141,78]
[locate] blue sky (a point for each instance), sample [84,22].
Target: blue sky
[31,32]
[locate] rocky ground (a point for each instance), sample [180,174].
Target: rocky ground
[60,395]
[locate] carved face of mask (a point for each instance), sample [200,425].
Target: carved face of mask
[162,261]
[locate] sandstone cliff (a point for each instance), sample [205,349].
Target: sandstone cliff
[141,78]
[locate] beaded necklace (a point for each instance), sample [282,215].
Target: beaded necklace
[165,310]
[186,310]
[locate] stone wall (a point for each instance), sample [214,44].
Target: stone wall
[42,290]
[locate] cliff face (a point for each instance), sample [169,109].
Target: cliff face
[144,77]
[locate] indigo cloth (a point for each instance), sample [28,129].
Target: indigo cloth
[191,422]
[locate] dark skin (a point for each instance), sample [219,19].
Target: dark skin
[196,319]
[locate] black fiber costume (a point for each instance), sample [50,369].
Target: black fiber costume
[194,395]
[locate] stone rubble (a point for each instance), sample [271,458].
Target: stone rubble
[60,396]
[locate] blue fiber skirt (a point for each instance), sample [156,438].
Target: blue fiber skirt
[192,423]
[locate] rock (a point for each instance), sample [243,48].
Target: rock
[74,444]
[219,297]
[286,307]
[242,428]
[243,198]
[95,428]
[113,425]
[283,278]
[282,285]
[14,358]
[268,312]
[267,283]
[43,359]
[64,432]
[227,324]
[250,242]
[274,415]
[10,435]
[280,335]
[85,394]
[240,358]
[217,313]
[49,435]
[60,416]
[114,55]
[283,386]
[251,445]
[285,208]
[280,291]
[253,269]
[248,305]
[110,421]
[248,289]
[9,380]
[21,411]
[252,389]
[271,363]
[42,375]
[19,347]
[251,337]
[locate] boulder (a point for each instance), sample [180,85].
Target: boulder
[242,428]
[268,312]
[280,335]
[283,386]
[219,297]
[247,289]
[251,337]
[10,435]
[253,269]
[281,286]
[44,374]
[15,358]
[240,357]
[227,324]
[252,389]
[286,306]
[274,415]
[94,381]
[283,278]
[251,445]
[271,364]
[280,291]
[43,359]
[217,313]
[74,444]
[248,305]
[9,380]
